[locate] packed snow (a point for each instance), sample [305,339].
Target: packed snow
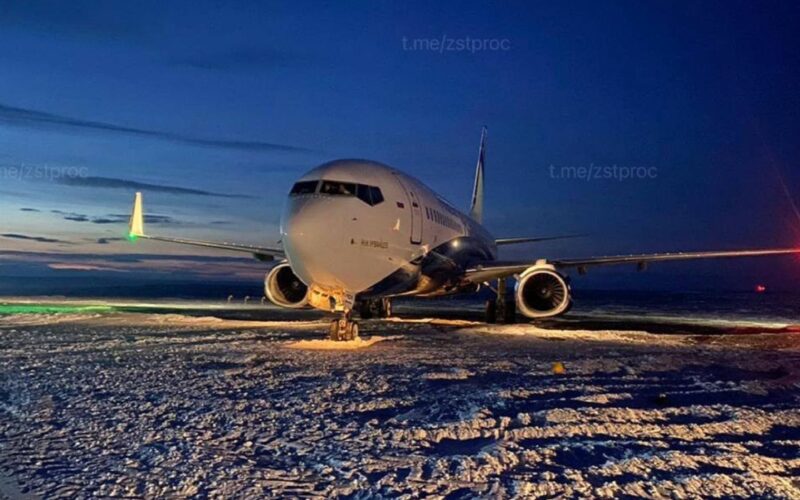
[151,405]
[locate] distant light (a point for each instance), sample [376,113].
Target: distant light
[132,237]
[761,288]
[455,243]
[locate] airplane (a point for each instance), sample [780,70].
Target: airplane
[357,233]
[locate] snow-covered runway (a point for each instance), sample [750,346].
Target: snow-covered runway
[99,403]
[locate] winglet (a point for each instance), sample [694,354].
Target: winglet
[476,207]
[136,225]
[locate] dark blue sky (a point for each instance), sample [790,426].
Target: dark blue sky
[241,99]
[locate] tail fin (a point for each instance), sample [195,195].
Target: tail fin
[476,208]
[136,225]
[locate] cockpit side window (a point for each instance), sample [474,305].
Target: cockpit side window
[377,196]
[304,187]
[338,188]
[371,195]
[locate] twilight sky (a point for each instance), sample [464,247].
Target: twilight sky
[212,110]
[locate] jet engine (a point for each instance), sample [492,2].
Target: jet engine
[284,288]
[541,292]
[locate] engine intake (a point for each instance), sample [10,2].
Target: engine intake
[284,288]
[541,292]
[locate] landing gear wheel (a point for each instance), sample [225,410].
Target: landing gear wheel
[365,309]
[343,329]
[333,330]
[375,308]
[510,312]
[386,308]
[490,313]
[352,331]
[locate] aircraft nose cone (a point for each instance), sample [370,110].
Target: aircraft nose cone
[312,237]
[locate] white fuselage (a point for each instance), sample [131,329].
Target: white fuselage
[359,228]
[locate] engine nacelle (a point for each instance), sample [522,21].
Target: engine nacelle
[284,288]
[541,292]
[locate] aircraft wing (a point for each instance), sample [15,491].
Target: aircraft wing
[494,270]
[514,241]
[136,231]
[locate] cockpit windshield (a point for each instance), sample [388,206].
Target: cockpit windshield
[304,187]
[371,195]
[338,188]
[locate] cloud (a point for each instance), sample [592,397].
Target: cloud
[47,256]
[241,58]
[71,216]
[119,218]
[39,239]
[113,218]
[23,117]
[67,266]
[28,209]
[222,267]
[112,183]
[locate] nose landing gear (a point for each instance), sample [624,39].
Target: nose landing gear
[343,329]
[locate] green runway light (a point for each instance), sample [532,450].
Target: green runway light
[10,309]
[132,237]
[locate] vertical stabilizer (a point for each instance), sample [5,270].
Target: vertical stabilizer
[476,208]
[136,226]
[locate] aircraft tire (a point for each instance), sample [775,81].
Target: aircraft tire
[510,313]
[333,330]
[386,308]
[491,311]
[365,310]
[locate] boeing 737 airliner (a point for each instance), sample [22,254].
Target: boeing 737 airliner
[356,233]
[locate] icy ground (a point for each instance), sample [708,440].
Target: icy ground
[116,404]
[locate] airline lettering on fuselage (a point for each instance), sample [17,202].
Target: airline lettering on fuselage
[375,244]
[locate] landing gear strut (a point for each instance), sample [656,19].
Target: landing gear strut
[500,309]
[343,328]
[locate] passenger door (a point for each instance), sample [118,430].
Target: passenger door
[416,212]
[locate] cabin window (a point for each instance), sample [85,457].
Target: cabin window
[304,187]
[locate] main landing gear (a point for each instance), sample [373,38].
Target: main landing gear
[501,309]
[375,308]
